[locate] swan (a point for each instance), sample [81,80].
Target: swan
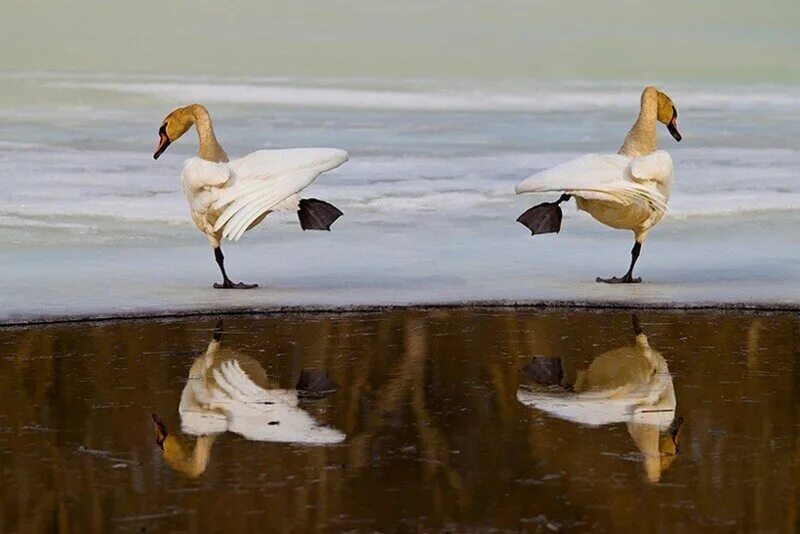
[228,391]
[229,197]
[628,190]
[630,384]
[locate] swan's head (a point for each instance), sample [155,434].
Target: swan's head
[160,430]
[177,456]
[175,125]
[667,114]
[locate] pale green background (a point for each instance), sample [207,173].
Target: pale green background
[711,40]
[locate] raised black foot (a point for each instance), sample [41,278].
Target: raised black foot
[227,284]
[314,384]
[544,371]
[317,215]
[627,279]
[543,218]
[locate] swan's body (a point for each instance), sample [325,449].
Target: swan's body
[627,191]
[230,392]
[229,197]
[629,385]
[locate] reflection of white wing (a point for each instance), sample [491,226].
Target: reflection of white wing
[652,402]
[267,414]
[265,179]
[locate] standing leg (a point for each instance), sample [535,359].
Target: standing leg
[226,282]
[627,278]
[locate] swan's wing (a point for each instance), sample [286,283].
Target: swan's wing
[656,167]
[268,414]
[199,173]
[593,176]
[586,409]
[267,178]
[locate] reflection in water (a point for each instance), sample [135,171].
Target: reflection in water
[630,385]
[228,391]
[437,438]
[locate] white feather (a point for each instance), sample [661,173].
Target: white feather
[245,189]
[611,177]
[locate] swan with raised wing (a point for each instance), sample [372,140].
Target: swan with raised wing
[229,197]
[630,384]
[628,190]
[228,391]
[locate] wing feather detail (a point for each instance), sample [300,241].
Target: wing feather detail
[267,178]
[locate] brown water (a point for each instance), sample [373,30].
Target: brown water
[441,419]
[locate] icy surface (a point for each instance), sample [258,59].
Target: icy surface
[91,224]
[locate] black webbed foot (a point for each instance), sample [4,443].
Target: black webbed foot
[227,284]
[627,279]
[314,384]
[544,371]
[544,218]
[317,215]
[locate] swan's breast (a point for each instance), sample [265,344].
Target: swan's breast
[614,214]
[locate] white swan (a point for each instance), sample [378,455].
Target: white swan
[228,198]
[628,190]
[629,385]
[230,392]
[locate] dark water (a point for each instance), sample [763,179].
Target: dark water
[441,421]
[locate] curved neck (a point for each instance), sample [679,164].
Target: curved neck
[194,465]
[210,149]
[642,138]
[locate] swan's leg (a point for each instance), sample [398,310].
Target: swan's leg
[317,215]
[627,278]
[544,218]
[226,282]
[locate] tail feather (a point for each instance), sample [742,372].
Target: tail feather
[317,215]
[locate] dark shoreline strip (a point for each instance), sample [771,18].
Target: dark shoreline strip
[488,305]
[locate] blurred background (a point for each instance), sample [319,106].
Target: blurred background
[534,39]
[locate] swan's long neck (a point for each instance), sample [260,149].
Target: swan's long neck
[210,149]
[642,138]
[194,465]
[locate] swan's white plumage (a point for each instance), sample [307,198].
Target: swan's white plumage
[269,414]
[230,197]
[266,178]
[643,180]
[199,173]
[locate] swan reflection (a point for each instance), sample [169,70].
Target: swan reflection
[228,391]
[630,385]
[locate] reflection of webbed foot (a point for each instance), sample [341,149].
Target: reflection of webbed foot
[227,284]
[545,371]
[314,384]
[627,279]
[542,219]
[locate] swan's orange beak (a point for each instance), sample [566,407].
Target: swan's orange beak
[163,141]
